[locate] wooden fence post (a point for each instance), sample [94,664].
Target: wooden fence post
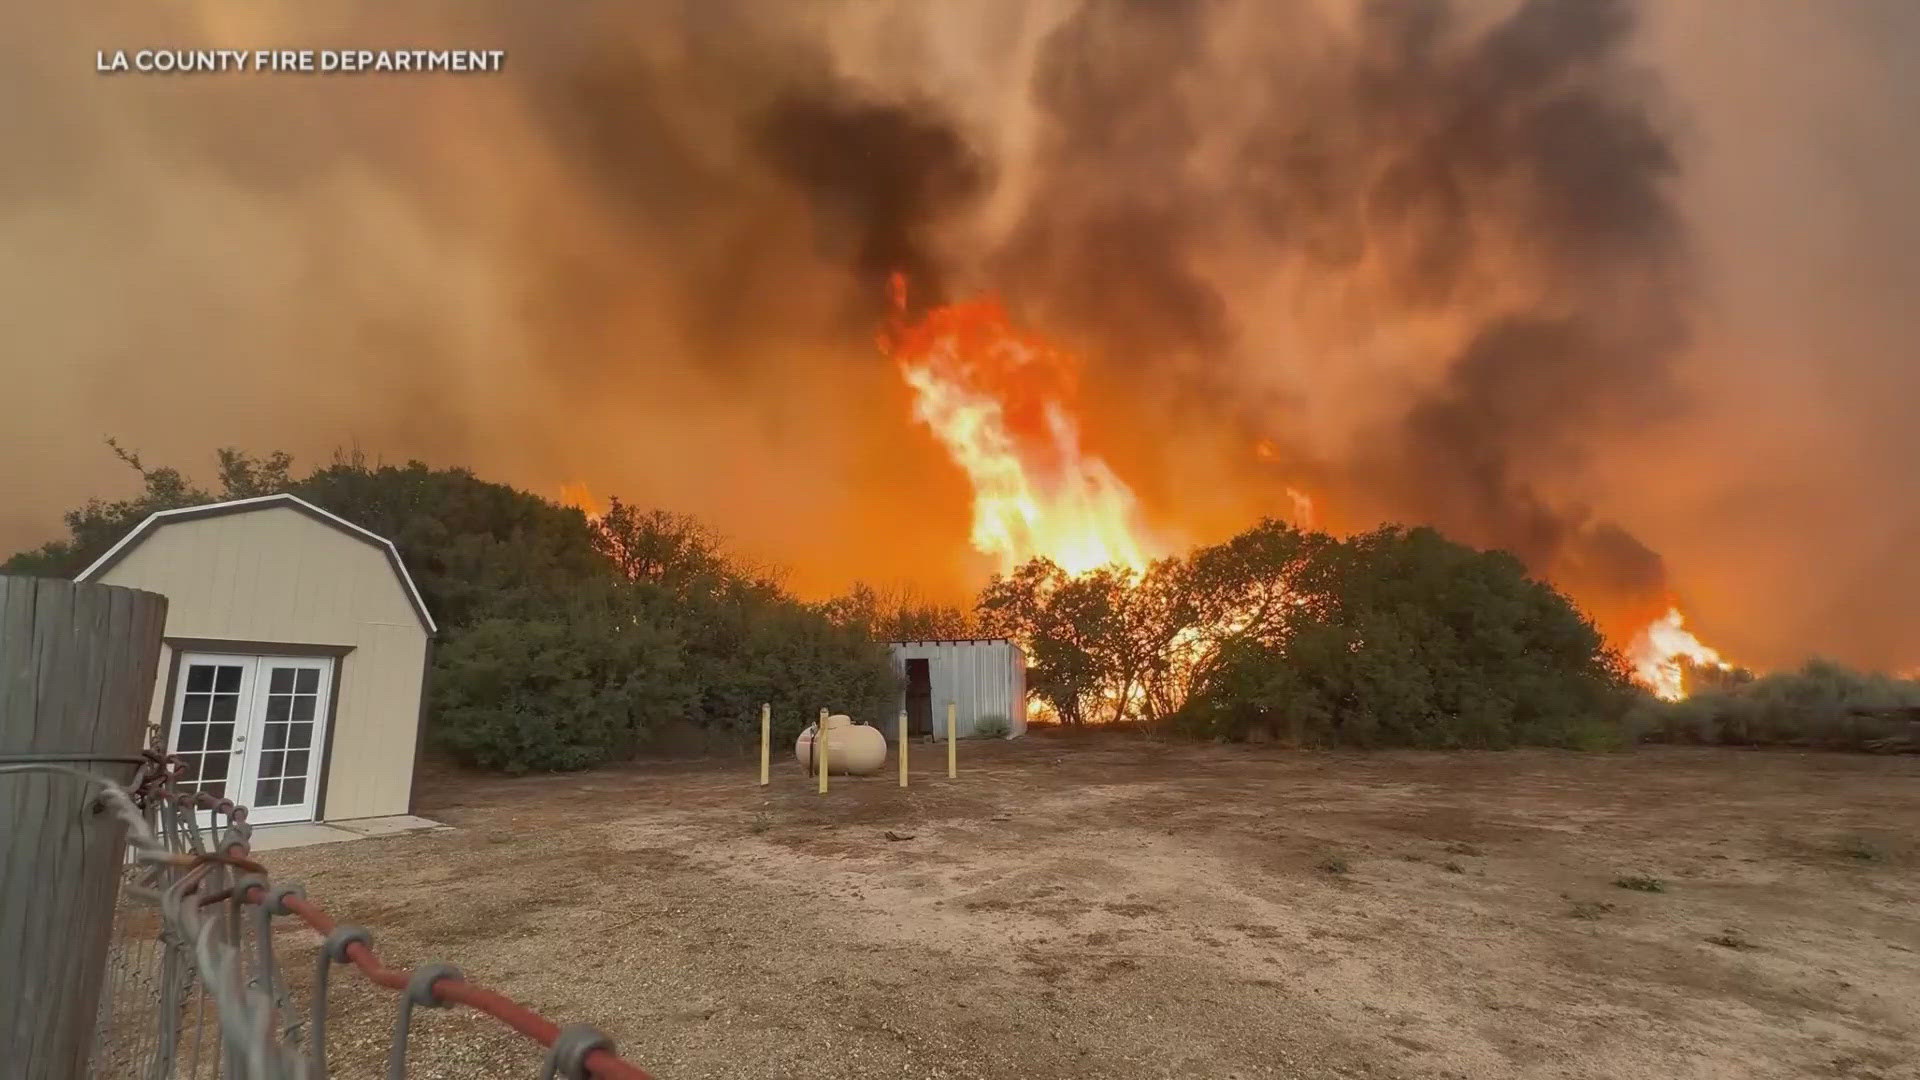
[77,663]
[901,742]
[820,749]
[766,743]
[953,752]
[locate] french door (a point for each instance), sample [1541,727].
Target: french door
[251,729]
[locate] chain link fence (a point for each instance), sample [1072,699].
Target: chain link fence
[196,987]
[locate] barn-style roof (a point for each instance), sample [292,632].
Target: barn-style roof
[264,502]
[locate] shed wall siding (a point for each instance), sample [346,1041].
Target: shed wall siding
[981,678]
[275,574]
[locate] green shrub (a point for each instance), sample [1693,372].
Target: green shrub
[1821,705]
[595,679]
[992,727]
[563,644]
[1403,638]
[581,687]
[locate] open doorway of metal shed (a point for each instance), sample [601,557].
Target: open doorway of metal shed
[919,697]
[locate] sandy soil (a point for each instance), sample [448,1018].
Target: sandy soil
[1103,906]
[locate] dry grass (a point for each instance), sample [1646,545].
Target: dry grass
[1102,907]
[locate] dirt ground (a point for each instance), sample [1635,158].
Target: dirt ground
[1105,906]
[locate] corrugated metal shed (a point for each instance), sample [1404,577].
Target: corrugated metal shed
[986,678]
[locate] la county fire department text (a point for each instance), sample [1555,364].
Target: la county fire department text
[320,61]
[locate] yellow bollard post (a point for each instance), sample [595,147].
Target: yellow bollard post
[766,742]
[820,749]
[953,753]
[901,741]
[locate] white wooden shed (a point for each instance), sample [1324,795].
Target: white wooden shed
[295,656]
[985,679]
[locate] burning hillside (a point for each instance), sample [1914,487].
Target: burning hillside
[1000,399]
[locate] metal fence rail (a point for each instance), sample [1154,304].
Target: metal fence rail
[195,987]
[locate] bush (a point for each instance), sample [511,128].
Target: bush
[584,685]
[992,727]
[621,661]
[563,643]
[1822,705]
[1403,638]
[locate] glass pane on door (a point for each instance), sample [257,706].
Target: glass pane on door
[209,711]
[287,761]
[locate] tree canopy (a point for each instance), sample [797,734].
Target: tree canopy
[564,642]
[568,641]
[1393,637]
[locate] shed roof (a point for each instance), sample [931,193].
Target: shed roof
[952,641]
[264,502]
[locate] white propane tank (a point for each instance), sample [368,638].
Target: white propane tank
[852,749]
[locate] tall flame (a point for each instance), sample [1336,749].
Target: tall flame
[1658,650]
[1000,399]
[576,495]
[1304,515]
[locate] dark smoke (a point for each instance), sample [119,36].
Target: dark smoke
[1107,246]
[749,188]
[1507,180]
[878,177]
[1540,114]
[1428,251]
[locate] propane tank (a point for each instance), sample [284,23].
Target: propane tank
[852,749]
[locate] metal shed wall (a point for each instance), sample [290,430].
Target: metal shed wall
[982,677]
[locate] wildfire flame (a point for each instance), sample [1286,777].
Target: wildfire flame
[1657,650]
[576,495]
[1000,399]
[1302,503]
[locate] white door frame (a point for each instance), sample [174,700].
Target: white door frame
[268,703]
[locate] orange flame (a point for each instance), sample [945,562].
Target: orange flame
[1000,400]
[1304,516]
[1657,650]
[576,495]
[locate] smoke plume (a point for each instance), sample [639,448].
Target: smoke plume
[1528,270]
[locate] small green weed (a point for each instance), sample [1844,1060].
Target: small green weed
[1590,909]
[1861,849]
[1641,883]
[1732,938]
[1453,868]
[1334,864]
